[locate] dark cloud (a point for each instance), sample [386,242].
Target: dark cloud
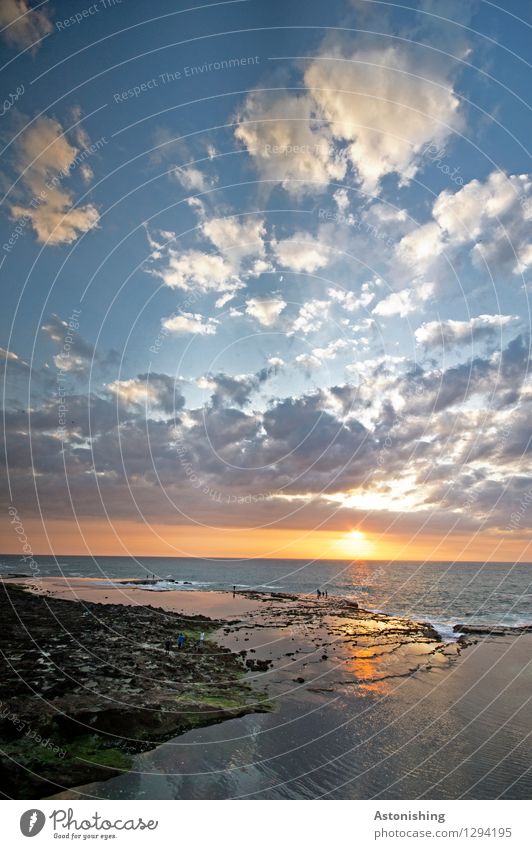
[136,449]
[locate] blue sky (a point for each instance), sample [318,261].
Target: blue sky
[294,237]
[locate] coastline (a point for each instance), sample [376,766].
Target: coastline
[265,653]
[85,686]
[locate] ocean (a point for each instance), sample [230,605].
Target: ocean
[444,593]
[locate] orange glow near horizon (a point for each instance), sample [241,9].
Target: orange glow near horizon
[127,538]
[355,544]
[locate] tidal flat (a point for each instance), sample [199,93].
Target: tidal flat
[290,697]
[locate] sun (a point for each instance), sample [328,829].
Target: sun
[355,544]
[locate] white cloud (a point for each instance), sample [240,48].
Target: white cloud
[377,109]
[311,317]
[301,252]
[157,391]
[194,269]
[190,323]
[192,179]
[421,246]
[308,362]
[385,106]
[494,215]
[351,302]
[450,333]
[286,145]
[44,158]
[236,239]
[404,302]
[239,245]
[331,350]
[265,310]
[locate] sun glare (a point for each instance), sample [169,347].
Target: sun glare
[355,544]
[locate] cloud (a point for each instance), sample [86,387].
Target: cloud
[310,317]
[199,270]
[301,252]
[421,246]
[234,250]
[379,446]
[44,159]
[190,323]
[375,109]
[385,107]
[76,356]
[192,179]
[452,334]
[148,391]
[351,302]
[493,215]
[315,360]
[228,390]
[404,302]
[286,144]
[265,310]
[24,26]
[236,239]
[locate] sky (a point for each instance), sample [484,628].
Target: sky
[265,275]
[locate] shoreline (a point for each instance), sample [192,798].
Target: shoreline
[85,686]
[166,694]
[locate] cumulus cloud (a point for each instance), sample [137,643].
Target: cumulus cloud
[76,355]
[235,247]
[23,25]
[316,359]
[375,445]
[148,391]
[493,216]
[44,159]
[195,269]
[384,107]
[190,323]
[286,144]
[375,109]
[452,334]
[310,317]
[228,390]
[301,252]
[404,302]
[265,310]
[351,302]
[236,238]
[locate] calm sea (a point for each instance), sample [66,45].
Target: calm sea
[443,593]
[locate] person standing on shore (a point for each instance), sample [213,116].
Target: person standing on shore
[181,641]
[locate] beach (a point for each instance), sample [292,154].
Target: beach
[316,697]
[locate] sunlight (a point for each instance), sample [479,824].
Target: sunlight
[355,544]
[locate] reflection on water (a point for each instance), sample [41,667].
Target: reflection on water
[364,709]
[445,593]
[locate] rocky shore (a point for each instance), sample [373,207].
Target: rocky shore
[85,686]
[92,678]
